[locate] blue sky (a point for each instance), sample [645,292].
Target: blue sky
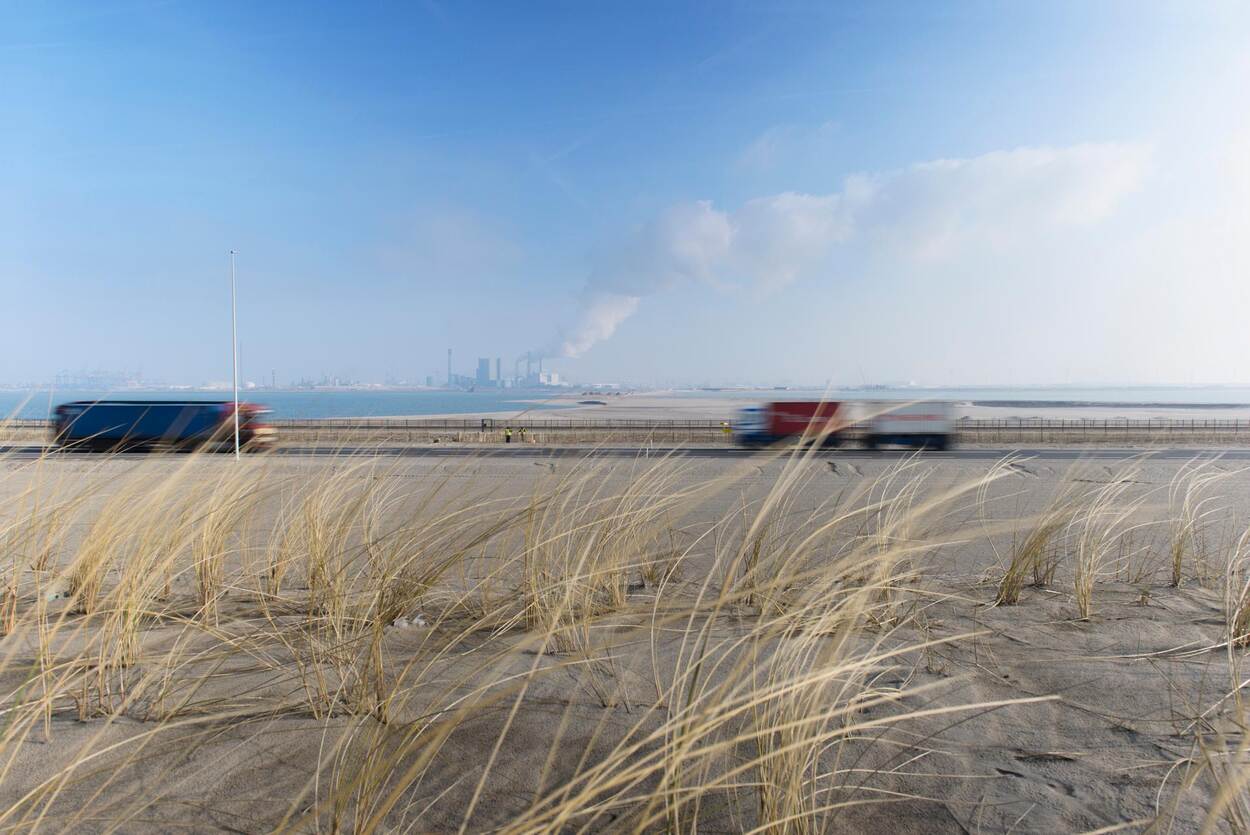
[707,192]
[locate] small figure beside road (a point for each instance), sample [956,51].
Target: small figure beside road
[507,434]
[522,431]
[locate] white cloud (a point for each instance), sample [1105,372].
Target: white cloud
[929,212]
[776,238]
[936,210]
[688,241]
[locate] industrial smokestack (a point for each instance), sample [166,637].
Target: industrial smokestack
[499,370]
[449,368]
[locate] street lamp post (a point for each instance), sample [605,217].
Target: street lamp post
[234,353]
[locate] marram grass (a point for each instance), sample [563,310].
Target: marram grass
[596,652]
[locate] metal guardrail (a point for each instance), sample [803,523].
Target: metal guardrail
[968,429]
[26,423]
[1092,426]
[463,424]
[1077,424]
[1231,424]
[1081,424]
[494,430]
[490,424]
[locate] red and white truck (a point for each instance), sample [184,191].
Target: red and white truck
[819,420]
[922,424]
[925,424]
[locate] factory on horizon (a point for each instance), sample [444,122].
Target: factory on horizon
[490,374]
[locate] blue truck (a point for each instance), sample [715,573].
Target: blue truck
[137,425]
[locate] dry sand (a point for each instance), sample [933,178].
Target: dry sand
[1132,684]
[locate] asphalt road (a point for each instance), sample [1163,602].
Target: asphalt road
[17,452]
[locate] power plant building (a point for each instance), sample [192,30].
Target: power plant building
[486,377]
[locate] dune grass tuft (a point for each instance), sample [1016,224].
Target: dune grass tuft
[1189,497]
[1035,556]
[1099,525]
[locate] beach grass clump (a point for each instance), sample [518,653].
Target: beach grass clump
[805,695]
[374,558]
[15,532]
[329,531]
[897,538]
[1098,527]
[1237,591]
[1036,555]
[1193,505]
[1215,775]
[1226,762]
[226,504]
[147,548]
[780,542]
[124,517]
[585,544]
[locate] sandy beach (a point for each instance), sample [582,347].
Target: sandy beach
[965,716]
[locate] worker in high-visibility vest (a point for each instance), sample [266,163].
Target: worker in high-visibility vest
[507,435]
[726,428]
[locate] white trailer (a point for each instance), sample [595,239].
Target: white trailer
[928,424]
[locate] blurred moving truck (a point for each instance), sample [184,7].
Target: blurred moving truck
[928,424]
[921,425]
[821,421]
[132,425]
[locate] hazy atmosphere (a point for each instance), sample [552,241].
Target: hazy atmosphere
[650,193]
